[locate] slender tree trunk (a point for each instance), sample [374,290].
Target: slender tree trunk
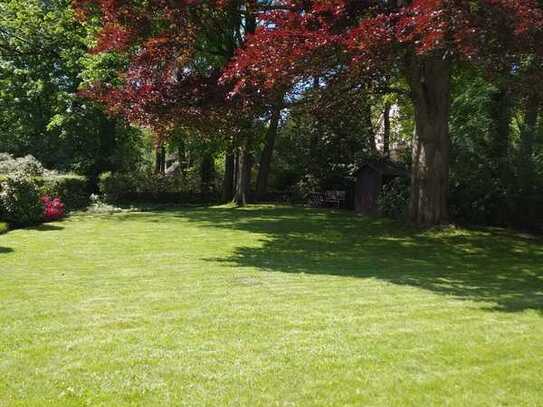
[499,132]
[247,170]
[527,141]
[243,175]
[229,175]
[370,129]
[160,161]
[157,159]
[236,169]
[207,170]
[267,154]
[429,79]
[386,130]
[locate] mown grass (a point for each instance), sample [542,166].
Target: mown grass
[268,306]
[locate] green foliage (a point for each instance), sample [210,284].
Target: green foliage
[73,190]
[28,165]
[20,201]
[307,185]
[114,186]
[325,149]
[393,200]
[487,184]
[43,54]
[3,227]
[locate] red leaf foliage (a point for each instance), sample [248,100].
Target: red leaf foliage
[295,40]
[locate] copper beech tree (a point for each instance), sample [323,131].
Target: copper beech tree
[173,54]
[285,43]
[420,40]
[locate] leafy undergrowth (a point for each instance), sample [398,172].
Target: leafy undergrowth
[268,306]
[3,228]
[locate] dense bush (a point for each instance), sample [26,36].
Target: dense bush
[71,189]
[27,165]
[20,201]
[147,187]
[393,200]
[3,228]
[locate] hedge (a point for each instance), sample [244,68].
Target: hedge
[73,190]
[150,188]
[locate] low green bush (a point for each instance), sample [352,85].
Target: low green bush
[3,228]
[71,189]
[393,200]
[28,165]
[20,203]
[116,186]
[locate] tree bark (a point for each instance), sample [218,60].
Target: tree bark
[243,174]
[500,113]
[207,171]
[160,161]
[267,154]
[229,177]
[184,166]
[386,130]
[429,78]
[247,169]
[527,141]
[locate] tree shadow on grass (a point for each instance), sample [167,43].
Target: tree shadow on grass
[46,227]
[503,270]
[5,250]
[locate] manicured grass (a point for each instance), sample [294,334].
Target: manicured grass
[268,306]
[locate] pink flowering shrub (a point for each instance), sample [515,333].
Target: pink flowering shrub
[53,209]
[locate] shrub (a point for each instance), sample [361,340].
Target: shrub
[27,166]
[71,189]
[3,228]
[142,186]
[20,201]
[393,200]
[53,209]
[306,186]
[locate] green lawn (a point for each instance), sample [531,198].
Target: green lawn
[268,306]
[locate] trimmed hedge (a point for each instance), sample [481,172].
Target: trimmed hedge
[73,190]
[150,188]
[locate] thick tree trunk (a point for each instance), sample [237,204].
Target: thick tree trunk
[243,175]
[429,79]
[229,175]
[267,155]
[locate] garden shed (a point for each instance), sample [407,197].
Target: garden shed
[371,176]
